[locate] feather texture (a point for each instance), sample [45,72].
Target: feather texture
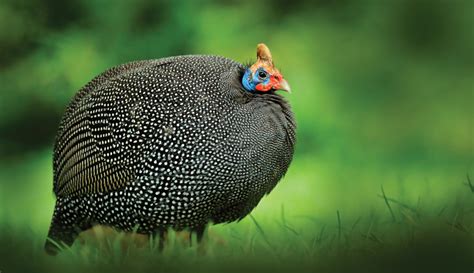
[175,142]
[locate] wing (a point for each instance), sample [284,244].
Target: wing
[119,120]
[98,143]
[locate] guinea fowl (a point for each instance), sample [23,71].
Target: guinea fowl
[170,143]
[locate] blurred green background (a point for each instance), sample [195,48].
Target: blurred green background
[382,93]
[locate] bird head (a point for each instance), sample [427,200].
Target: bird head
[263,76]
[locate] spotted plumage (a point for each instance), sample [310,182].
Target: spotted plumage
[170,143]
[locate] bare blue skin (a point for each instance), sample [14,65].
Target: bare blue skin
[250,81]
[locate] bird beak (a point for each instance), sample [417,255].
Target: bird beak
[283,85]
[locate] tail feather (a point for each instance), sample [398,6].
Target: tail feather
[58,238]
[63,230]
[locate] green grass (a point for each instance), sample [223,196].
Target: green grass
[304,225]
[411,240]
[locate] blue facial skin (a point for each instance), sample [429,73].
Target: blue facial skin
[250,82]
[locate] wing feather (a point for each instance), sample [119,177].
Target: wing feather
[88,158]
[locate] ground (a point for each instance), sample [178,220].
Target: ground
[386,232]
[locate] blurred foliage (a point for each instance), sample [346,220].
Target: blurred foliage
[383,91]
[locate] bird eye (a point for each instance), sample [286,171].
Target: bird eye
[262,74]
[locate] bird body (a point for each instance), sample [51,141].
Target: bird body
[169,143]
